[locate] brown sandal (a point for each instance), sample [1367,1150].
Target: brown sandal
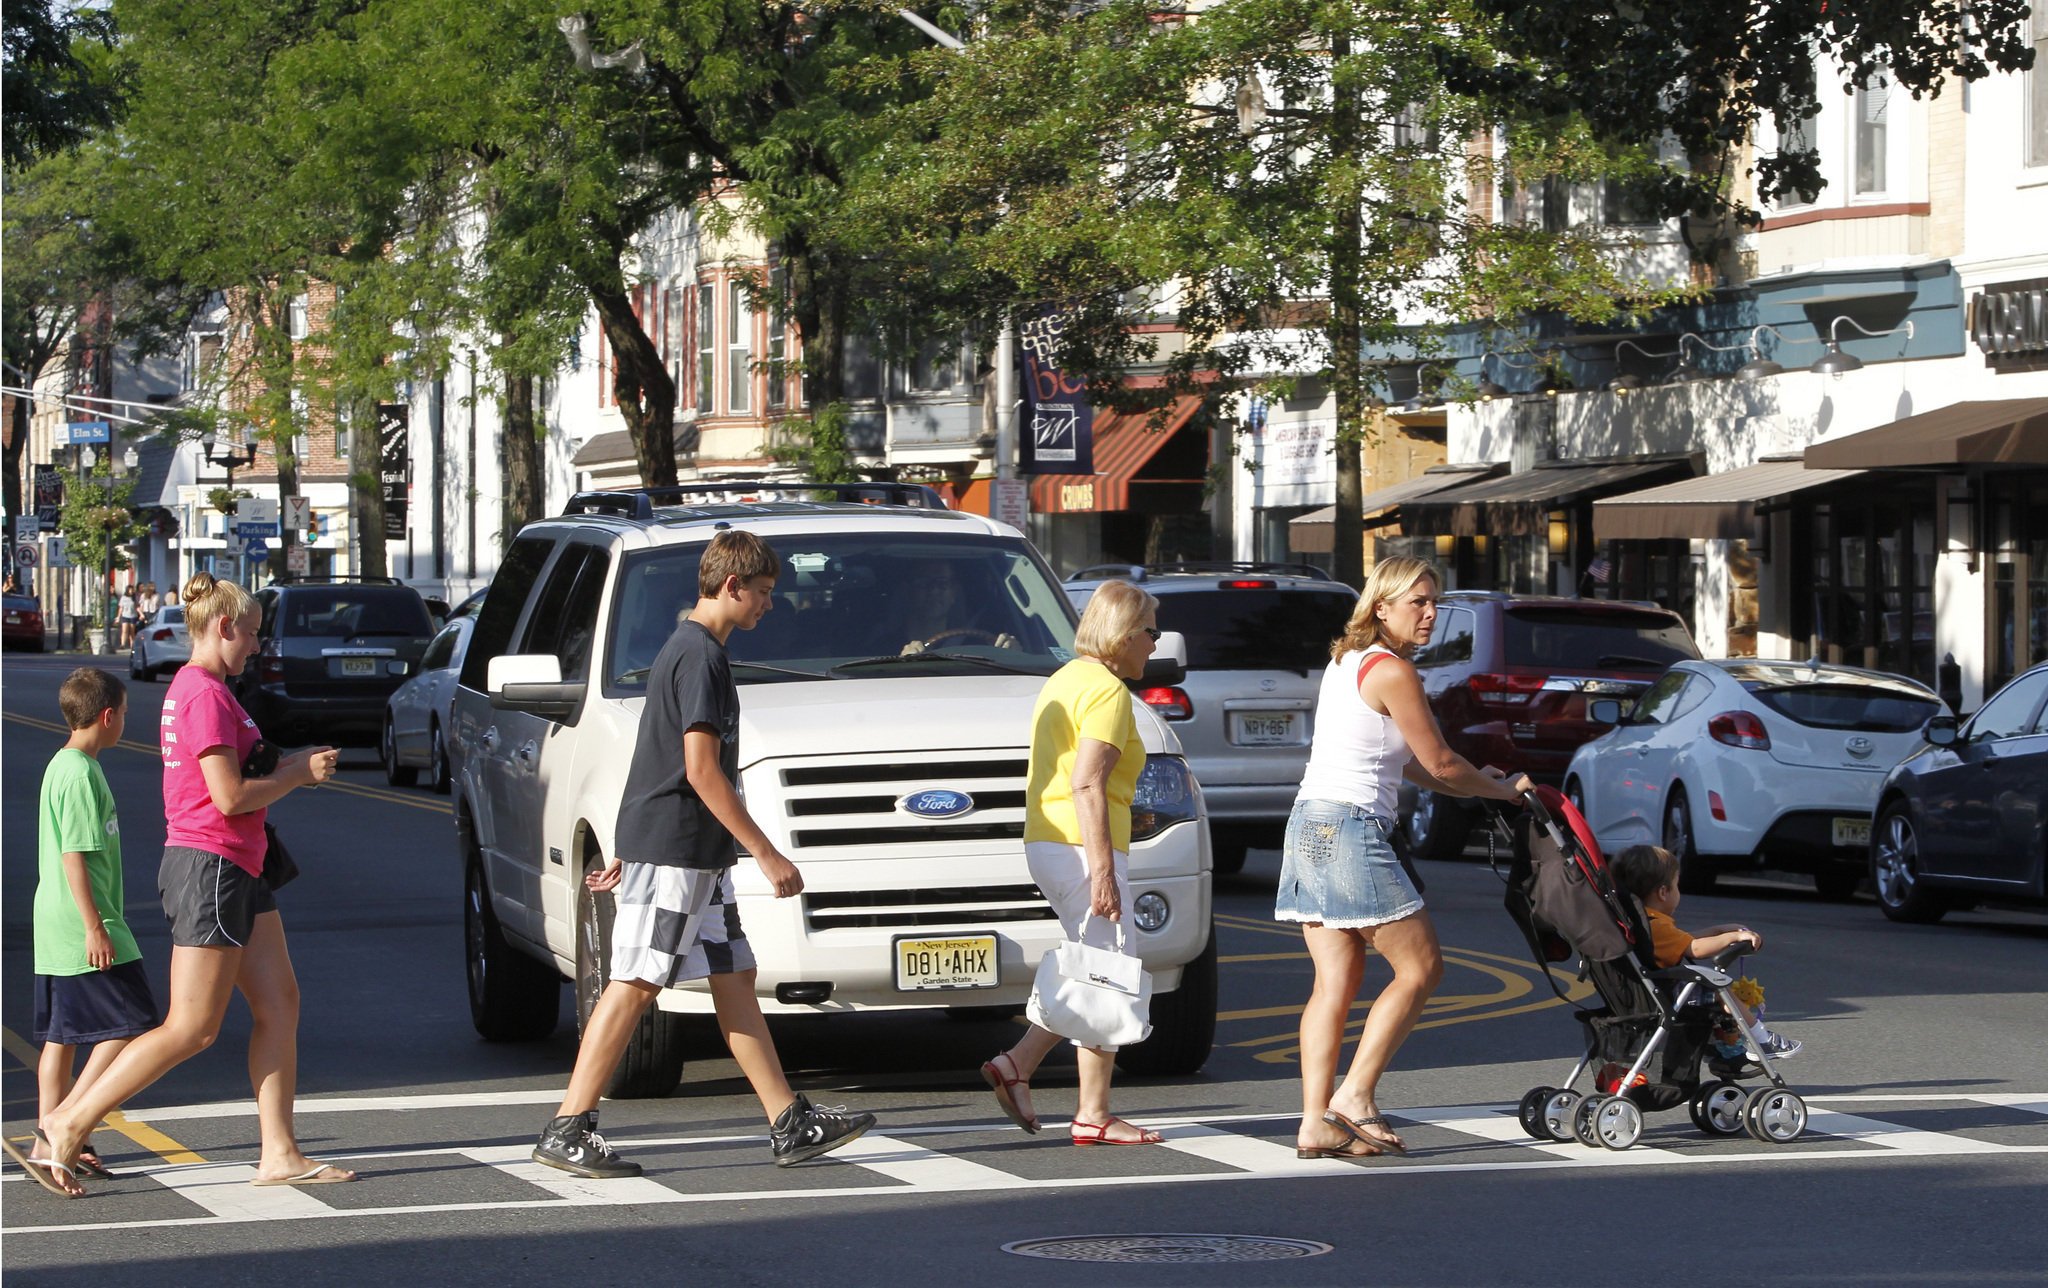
[1098,1133]
[1004,1097]
[1357,1126]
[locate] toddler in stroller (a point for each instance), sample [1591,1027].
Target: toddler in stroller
[1650,1041]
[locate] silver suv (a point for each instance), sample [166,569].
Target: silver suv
[1258,637]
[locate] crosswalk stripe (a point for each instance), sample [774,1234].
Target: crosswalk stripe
[224,1190]
[1488,1123]
[927,1169]
[1246,1153]
[1906,1140]
[621,1191]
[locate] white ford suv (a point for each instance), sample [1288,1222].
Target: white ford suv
[894,779]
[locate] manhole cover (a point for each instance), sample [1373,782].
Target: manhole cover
[1167,1249]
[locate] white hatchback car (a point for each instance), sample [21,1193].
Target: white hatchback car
[417,715]
[161,644]
[1736,763]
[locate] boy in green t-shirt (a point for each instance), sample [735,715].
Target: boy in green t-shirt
[91,989]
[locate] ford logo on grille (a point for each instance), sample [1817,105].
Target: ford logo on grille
[938,802]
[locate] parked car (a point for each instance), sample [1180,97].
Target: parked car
[161,644]
[1741,763]
[1965,817]
[1509,677]
[416,716]
[1258,637]
[332,651]
[23,625]
[886,758]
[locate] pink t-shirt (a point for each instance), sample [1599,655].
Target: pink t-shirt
[200,713]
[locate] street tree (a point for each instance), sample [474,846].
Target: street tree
[1297,183]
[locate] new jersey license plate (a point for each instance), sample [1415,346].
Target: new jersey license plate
[359,666]
[1265,728]
[1852,832]
[961,961]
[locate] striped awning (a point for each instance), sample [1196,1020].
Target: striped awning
[1124,443]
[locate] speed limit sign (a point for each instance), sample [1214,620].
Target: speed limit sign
[25,555]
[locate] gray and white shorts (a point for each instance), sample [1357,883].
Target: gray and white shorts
[676,924]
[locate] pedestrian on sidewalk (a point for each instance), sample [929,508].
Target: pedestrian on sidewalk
[91,989]
[1085,760]
[128,618]
[679,830]
[226,933]
[1339,876]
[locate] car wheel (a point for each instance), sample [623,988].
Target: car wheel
[135,671]
[437,759]
[1695,875]
[1436,828]
[512,997]
[1895,869]
[1183,1024]
[1576,794]
[387,750]
[1838,884]
[652,1065]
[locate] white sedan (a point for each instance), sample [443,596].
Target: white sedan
[416,719]
[1737,763]
[161,644]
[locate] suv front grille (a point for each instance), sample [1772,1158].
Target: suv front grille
[917,909]
[852,804]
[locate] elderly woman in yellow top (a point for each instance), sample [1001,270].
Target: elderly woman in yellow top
[1085,761]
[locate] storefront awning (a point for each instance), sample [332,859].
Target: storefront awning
[1315,533]
[1520,504]
[2010,431]
[1123,446]
[1718,506]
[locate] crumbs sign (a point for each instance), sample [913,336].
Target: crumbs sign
[2009,324]
[1059,424]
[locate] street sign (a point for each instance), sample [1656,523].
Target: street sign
[1012,502]
[298,513]
[25,555]
[256,509]
[73,433]
[254,548]
[243,528]
[57,553]
[226,567]
[26,526]
[298,561]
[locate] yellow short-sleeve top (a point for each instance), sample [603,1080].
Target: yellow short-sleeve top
[1082,699]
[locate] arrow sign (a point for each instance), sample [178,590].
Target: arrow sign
[254,548]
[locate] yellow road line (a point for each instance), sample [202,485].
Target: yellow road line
[1512,987]
[352,789]
[141,1133]
[1263,957]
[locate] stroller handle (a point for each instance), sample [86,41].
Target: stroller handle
[1544,818]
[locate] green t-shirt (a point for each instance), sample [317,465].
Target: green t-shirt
[76,816]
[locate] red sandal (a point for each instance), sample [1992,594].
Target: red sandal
[1098,1133]
[1001,1086]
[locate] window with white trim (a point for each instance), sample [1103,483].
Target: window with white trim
[298,318]
[707,347]
[2037,90]
[778,337]
[1873,132]
[739,350]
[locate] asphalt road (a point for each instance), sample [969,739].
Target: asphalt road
[1925,1163]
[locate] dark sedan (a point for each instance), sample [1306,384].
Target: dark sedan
[1965,817]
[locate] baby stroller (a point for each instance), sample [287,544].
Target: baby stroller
[1651,1039]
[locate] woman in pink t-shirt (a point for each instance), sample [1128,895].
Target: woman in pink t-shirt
[226,933]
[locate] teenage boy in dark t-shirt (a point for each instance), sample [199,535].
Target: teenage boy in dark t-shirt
[679,829]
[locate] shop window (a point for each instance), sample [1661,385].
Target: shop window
[2018,519]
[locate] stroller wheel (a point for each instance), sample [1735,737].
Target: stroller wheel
[1774,1115]
[1617,1122]
[1530,1111]
[1556,1117]
[1582,1121]
[1717,1109]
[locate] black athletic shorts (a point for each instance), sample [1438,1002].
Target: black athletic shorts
[211,902]
[98,1006]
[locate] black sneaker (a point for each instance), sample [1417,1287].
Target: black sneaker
[573,1145]
[805,1130]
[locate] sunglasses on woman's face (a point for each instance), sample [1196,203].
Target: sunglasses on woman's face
[1152,631]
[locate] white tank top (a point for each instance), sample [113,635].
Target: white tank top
[1358,754]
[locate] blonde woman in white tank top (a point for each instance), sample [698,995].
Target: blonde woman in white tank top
[1339,877]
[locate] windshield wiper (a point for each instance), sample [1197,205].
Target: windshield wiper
[941,655]
[779,670]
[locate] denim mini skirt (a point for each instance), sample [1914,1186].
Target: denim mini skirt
[1338,868]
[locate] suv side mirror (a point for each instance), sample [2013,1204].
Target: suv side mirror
[532,682]
[1168,664]
[1940,730]
[1605,711]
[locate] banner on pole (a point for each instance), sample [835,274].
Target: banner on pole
[1059,435]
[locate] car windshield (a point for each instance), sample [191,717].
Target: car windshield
[1863,704]
[1600,640]
[347,611]
[1257,630]
[931,604]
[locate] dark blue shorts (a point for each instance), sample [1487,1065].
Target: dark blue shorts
[98,1006]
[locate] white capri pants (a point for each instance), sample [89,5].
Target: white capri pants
[1061,872]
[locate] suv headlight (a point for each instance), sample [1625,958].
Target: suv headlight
[1165,795]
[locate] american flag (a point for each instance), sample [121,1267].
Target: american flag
[1599,570]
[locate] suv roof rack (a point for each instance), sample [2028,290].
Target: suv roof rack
[638,503]
[308,579]
[1139,572]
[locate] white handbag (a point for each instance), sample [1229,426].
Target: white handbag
[1092,996]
